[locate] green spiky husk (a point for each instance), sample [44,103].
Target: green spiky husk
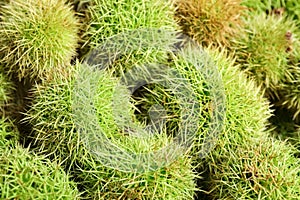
[175,181]
[38,38]
[265,47]
[106,21]
[109,18]
[247,163]
[55,133]
[258,168]
[28,176]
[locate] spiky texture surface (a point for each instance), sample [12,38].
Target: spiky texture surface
[247,111]
[109,18]
[246,163]
[6,88]
[55,133]
[262,168]
[209,22]
[246,115]
[290,92]
[196,66]
[275,7]
[83,15]
[8,134]
[175,181]
[37,38]
[28,176]
[265,47]
[3,2]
